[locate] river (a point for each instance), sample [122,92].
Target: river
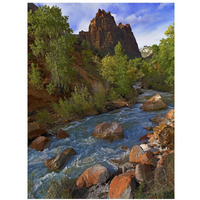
[91,150]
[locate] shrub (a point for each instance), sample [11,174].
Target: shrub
[51,88]
[44,117]
[100,98]
[112,95]
[35,77]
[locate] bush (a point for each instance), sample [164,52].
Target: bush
[44,117]
[51,89]
[100,98]
[112,95]
[35,77]
[81,103]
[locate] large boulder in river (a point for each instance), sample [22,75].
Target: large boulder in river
[154,103]
[39,143]
[59,160]
[34,130]
[61,134]
[123,186]
[108,130]
[95,174]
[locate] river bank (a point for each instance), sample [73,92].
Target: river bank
[89,150]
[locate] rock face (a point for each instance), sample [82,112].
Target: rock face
[39,143]
[108,130]
[34,130]
[61,134]
[59,160]
[104,34]
[95,174]
[32,6]
[154,103]
[123,186]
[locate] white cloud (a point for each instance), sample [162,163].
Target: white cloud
[162,5]
[83,25]
[150,37]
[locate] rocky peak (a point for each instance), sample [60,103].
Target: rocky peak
[104,34]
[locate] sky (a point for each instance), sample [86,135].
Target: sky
[148,21]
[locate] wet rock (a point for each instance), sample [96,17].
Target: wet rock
[59,160]
[108,130]
[154,103]
[157,119]
[95,174]
[145,147]
[144,173]
[125,148]
[148,158]
[61,134]
[149,128]
[119,103]
[170,114]
[39,143]
[34,130]
[144,137]
[99,191]
[136,154]
[123,186]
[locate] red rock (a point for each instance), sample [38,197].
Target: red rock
[143,173]
[104,34]
[119,103]
[95,174]
[107,130]
[61,134]
[39,143]
[136,154]
[125,148]
[154,103]
[34,130]
[149,135]
[123,186]
[148,158]
[158,129]
[170,114]
[59,160]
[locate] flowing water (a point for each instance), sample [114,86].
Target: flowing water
[91,150]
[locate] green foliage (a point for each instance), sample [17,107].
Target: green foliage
[53,40]
[100,98]
[79,104]
[51,89]
[118,71]
[44,117]
[112,95]
[35,77]
[87,57]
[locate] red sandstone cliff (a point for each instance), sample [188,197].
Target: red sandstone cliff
[104,34]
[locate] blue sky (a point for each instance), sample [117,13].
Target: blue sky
[148,21]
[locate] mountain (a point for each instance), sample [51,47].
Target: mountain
[104,34]
[146,52]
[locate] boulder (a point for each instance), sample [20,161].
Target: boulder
[61,134]
[123,186]
[125,148]
[170,114]
[136,154]
[119,103]
[39,143]
[95,174]
[108,130]
[144,173]
[154,103]
[164,133]
[59,160]
[34,130]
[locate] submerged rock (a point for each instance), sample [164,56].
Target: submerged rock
[108,130]
[59,160]
[154,103]
[123,186]
[95,174]
[39,143]
[61,134]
